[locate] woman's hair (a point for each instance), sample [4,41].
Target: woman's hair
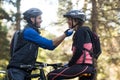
[80,22]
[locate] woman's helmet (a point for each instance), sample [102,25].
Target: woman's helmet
[76,14]
[32,12]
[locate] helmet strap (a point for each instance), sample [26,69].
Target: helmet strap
[73,26]
[35,24]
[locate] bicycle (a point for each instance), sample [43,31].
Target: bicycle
[41,75]
[40,66]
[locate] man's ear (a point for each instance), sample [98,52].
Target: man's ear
[32,19]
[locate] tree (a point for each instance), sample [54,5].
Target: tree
[109,28]
[17,15]
[4,47]
[104,19]
[94,21]
[4,43]
[64,6]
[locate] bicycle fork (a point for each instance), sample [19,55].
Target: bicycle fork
[42,75]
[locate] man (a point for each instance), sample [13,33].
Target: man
[81,61]
[24,46]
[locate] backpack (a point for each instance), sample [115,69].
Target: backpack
[96,51]
[14,42]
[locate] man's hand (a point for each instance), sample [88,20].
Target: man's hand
[68,32]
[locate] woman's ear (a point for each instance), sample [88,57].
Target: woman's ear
[33,20]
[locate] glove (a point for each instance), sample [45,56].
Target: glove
[68,32]
[65,65]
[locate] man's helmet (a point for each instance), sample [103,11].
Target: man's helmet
[32,12]
[76,14]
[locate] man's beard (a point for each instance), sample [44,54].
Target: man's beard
[38,26]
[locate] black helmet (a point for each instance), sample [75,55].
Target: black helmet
[32,12]
[76,14]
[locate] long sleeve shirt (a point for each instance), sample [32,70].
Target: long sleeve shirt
[32,35]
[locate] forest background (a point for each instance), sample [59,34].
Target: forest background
[103,17]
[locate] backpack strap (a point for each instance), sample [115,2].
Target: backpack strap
[91,53]
[84,57]
[15,40]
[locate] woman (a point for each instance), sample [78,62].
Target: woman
[81,61]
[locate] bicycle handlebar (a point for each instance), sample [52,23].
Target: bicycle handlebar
[41,65]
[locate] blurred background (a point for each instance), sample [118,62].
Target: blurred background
[103,17]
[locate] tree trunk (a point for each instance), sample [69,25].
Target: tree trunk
[18,15]
[94,21]
[94,16]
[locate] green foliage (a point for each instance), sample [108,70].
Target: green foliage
[4,14]
[108,31]
[4,43]
[64,6]
[4,49]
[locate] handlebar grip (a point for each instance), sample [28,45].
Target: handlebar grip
[25,66]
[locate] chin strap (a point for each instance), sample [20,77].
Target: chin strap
[73,26]
[35,24]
